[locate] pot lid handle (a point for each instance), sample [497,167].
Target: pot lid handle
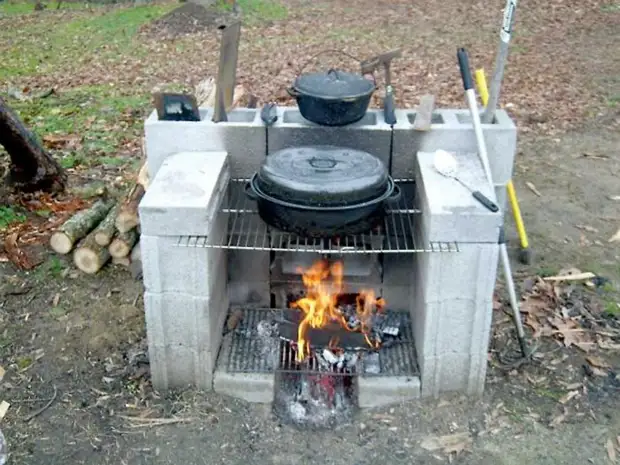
[323,163]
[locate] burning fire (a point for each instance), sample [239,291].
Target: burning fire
[320,305]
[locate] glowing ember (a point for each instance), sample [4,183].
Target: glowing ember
[324,284]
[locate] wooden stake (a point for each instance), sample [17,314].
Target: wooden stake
[78,226]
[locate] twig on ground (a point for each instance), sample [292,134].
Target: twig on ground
[152,422]
[44,408]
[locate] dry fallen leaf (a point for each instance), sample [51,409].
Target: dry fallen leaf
[585,227]
[568,396]
[532,187]
[2,373]
[558,419]
[597,362]
[611,450]
[448,444]
[4,407]
[615,237]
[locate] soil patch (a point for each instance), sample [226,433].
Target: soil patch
[190,18]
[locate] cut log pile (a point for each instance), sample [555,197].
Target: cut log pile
[109,230]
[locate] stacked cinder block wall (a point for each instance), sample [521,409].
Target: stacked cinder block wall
[448,294]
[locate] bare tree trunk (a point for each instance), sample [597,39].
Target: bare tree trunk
[32,168]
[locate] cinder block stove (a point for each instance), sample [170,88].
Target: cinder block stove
[217,277]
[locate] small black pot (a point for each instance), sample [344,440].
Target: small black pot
[334,98]
[322,191]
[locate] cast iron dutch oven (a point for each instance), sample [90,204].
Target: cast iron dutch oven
[332,98]
[322,191]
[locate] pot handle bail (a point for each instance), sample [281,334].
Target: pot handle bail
[341,52]
[249,192]
[395,195]
[292,92]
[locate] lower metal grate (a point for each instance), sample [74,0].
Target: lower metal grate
[257,348]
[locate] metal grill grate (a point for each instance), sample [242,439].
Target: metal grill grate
[252,353]
[248,232]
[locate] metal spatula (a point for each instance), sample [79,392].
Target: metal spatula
[447,165]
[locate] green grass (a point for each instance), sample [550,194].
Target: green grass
[613,101]
[99,114]
[46,46]
[24,8]
[258,10]
[9,216]
[611,8]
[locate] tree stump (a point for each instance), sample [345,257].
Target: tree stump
[32,168]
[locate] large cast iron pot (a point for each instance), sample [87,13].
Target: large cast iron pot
[332,98]
[322,191]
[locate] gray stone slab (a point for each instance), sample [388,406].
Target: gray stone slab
[185,194]
[371,134]
[449,212]
[452,130]
[387,390]
[243,136]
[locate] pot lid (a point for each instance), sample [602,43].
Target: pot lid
[323,175]
[333,84]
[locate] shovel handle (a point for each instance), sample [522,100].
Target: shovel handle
[468,82]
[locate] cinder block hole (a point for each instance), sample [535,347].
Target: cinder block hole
[436,118]
[241,116]
[294,117]
[465,118]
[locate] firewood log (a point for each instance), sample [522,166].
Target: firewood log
[136,261]
[79,225]
[123,243]
[127,217]
[104,232]
[90,256]
[121,261]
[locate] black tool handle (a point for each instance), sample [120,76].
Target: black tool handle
[484,200]
[468,82]
[269,114]
[388,108]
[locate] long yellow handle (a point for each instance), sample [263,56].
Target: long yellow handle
[483,91]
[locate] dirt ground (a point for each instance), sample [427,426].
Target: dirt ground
[73,345]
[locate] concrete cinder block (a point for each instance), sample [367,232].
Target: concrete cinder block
[452,131]
[371,134]
[243,136]
[167,267]
[463,373]
[397,272]
[452,300]
[184,334]
[248,277]
[182,200]
[387,390]
[449,212]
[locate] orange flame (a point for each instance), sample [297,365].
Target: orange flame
[320,305]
